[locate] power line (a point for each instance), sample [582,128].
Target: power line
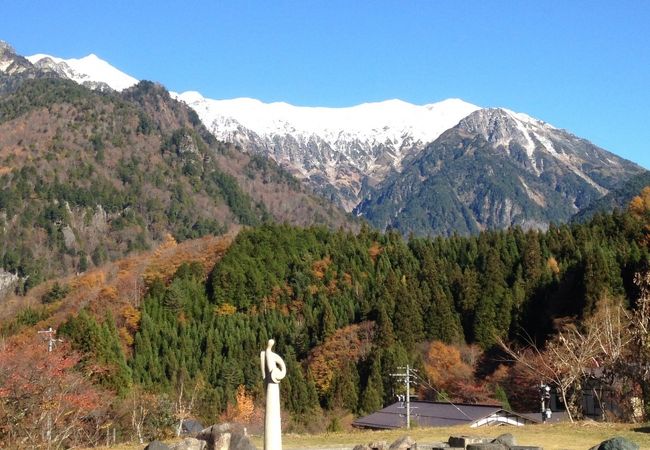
[440,394]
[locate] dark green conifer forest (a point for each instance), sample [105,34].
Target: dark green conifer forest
[302,286]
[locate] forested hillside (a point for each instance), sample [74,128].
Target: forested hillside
[616,199]
[87,177]
[345,310]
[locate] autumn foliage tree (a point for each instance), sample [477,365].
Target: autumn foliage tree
[450,374]
[44,401]
[569,358]
[243,411]
[346,346]
[444,366]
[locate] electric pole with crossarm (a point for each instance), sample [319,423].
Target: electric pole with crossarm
[406,377]
[51,340]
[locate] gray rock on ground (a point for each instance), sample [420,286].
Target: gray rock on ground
[190,444]
[378,445]
[487,446]
[439,446]
[362,447]
[616,443]
[157,445]
[403,443]
[226,436]
[240,441]
[191,427]
[506,439]
[464,441]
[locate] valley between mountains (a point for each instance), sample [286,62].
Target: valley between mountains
[167,237]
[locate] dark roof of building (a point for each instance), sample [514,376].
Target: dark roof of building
[432,414]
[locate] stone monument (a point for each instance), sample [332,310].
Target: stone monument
[273,370]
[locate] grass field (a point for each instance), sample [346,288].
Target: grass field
[579,436]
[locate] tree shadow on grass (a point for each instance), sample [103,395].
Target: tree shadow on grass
[643,429]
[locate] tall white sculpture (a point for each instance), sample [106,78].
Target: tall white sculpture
[273,370]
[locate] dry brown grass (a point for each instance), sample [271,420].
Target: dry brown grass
[579,436]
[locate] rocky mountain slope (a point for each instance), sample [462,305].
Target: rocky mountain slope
[340,152]
[371,158]
[14,69]
[618,198]
[495,169]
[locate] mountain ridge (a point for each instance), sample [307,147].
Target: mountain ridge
[353,155]
[90,70]
[495,169]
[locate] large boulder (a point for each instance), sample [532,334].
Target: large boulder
[190,444]
[191,427]
[157,445]
[375,445]
[616,443]
[442,446]
[226,436]
[403,443]
[445,447]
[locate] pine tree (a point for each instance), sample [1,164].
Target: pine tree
[373,394]
[345,393]
[328,319]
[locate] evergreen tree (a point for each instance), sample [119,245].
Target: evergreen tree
[373,394]
[345,393]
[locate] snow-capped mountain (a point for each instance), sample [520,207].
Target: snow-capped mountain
[540,141]
[339,151]
[495,169]
[10,62]
[436,168]
[15,68]
[90,71]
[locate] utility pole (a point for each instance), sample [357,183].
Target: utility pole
[51,340]
[406,376]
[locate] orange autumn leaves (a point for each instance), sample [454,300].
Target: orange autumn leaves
[640,207]
[118,287]
[450,371]
[41,391]
[243,410]
[348,344]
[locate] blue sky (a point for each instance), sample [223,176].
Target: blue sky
[579,65]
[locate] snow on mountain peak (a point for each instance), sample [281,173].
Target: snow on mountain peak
[90,68]
[373,122]
[502,126]
[346,146]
